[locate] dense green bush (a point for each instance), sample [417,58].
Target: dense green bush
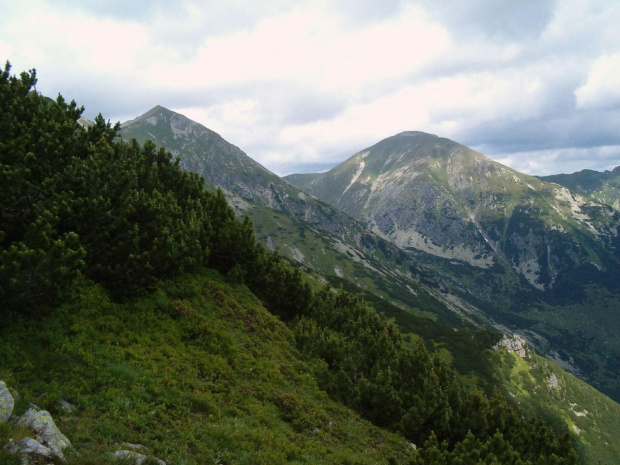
[77,201]
[407,390]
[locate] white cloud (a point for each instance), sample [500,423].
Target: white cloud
[71,45]
[301,83]
[602,89]
[311,47]
[556,161]
[447,106]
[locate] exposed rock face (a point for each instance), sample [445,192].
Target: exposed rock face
[515,344]
[6,402]
[553,382]
[41,422]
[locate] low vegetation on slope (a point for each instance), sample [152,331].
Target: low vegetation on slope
[102,247]
[198,372]
[539,387]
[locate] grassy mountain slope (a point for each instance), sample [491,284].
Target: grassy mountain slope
[331,257]
[540,387]
[525,379]
[199,372]
[604,187]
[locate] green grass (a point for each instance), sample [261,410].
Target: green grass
[524,381]
[198,372]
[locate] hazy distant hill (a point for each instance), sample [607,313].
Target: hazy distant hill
[603,186]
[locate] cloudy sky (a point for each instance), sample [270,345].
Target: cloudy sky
[301,86]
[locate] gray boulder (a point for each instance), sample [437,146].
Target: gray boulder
[6,403]
[515,344]
[41,422]
[27,447]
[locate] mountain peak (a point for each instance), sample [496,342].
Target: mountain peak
[154,115]
[157,110]
[417,141]
[414,134]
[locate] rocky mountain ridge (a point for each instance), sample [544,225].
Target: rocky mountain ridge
[224,165]
[603,187]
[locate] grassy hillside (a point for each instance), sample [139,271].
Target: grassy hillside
[539,387]
[199,372]
[526,381]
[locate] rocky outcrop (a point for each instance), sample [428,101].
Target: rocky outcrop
[41,422]
[6,403]
[48,442]
[553,382]
[28,447]
[515,344]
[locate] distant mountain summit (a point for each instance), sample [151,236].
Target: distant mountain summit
[428,193]
[539,258]
[203,151]
[224,165]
